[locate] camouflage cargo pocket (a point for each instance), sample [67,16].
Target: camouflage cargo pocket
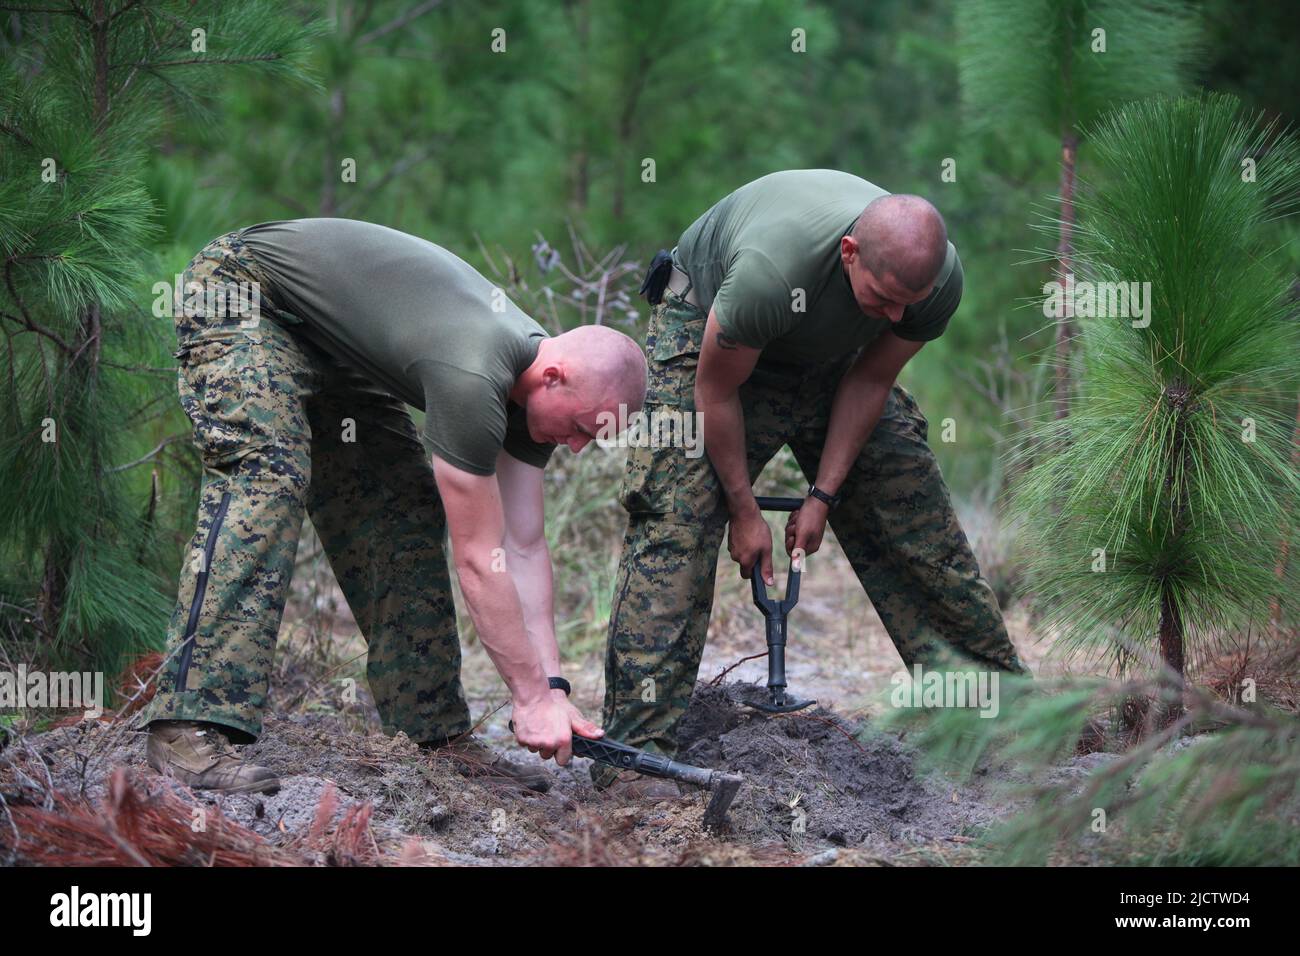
[225,389]
[910,410]
[672,347]
[221,288]
[650,481]
[673,339]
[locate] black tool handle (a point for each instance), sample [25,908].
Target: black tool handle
[623,757]
[774,611]
[769,606]
[619,755]
[779,504]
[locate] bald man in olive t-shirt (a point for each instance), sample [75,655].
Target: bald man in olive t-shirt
[298,401]
[789,309]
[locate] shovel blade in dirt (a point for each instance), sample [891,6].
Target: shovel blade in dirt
[725,786]
[722,787]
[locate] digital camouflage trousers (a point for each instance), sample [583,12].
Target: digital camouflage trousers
[895,523]
[285,431]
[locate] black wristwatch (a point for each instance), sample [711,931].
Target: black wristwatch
[559,683]
[830,501]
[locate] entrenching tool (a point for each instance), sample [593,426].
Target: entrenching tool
[775,613]
[722,786]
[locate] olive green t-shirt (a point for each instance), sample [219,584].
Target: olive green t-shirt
[417,320]
[772,247]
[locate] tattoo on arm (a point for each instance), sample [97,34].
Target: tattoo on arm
[726,343]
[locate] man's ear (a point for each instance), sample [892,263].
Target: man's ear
[848,249]
[552,375]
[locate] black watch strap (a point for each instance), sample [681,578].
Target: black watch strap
[830,501]
[559,683]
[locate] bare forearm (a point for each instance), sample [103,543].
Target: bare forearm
[724,441]
[494,607]
[530,569]
[855,412]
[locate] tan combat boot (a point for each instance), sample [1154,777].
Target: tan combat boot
[199,755]
[473,758]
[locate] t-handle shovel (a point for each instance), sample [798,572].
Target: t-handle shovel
[722,786]
[775,614]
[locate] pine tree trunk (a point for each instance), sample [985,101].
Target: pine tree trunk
[1284,551]
[1171,651]
[82,362]
[626,127]
[580,164]
[1064,267]
[332,170]
[49,604]
[1178,396]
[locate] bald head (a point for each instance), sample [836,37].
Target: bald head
[577,379]
[606,367]
[903,236]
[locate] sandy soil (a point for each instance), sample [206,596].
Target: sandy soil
[821,786]
[818,789]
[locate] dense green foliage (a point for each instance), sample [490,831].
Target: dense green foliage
[1223,799]
[458,142]
[86,93]
[1056,77]
[1157,505]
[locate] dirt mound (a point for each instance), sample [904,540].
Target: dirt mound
[815,782]
[814,777]
[411,793]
